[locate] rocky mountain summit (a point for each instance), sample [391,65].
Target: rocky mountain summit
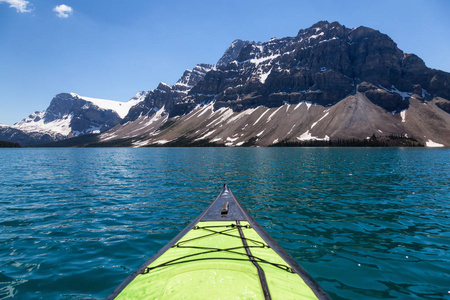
[328,82]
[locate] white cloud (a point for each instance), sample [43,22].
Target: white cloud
[20,5]
[63,10]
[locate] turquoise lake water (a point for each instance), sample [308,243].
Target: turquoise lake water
[365,223]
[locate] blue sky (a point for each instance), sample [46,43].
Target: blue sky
[113,49]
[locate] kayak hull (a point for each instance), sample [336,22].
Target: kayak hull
[224,254]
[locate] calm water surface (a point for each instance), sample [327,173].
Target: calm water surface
[365,223]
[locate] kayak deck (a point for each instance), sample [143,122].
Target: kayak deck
[223,254]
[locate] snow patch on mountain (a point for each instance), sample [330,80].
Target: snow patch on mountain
[315,123]
[206,135]
[308,105]
[393,89]
[36,123]
[432,144]
[241,114]
[261,116]
[257,61]
[403,115]
[139,97]
[121,108]
[316,35]
[225,113]
[157,116]
[92,129]
[207,107]
[307,136]
[273,114]
[263,76]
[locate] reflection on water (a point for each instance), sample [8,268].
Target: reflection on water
[365,223]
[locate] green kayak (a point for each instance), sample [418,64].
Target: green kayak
[223,254]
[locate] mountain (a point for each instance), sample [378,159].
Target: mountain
[327,83]
[69,115]
[10,134]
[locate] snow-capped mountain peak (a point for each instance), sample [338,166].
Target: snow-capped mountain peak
[72,115]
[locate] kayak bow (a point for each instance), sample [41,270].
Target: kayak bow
[224,254]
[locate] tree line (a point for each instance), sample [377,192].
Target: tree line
[5,144]
[392,140]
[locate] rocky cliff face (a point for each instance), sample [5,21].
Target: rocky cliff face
[322,64]
[326,67]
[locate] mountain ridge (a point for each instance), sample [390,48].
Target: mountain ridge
[322,65]
[69,115]
[343,82]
